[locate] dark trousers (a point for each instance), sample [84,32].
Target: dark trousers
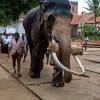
[4,48]
[85,46]
[16,58]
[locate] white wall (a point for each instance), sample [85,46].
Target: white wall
[19,27]
[2,29]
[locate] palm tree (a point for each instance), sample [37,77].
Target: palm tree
[99,11]
[93,7]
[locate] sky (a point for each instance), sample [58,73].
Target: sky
[81,5]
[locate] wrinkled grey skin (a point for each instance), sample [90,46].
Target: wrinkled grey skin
[40,28]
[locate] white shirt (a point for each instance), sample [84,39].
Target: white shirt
[6,40]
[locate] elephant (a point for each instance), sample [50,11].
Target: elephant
[49,21]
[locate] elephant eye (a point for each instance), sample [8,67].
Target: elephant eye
[51,20]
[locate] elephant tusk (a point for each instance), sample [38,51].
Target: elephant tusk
[80,65]
[58,63]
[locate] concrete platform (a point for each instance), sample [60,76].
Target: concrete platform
[11,89]
[80,88]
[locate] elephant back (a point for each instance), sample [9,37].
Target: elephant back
[56,1]
[30,19]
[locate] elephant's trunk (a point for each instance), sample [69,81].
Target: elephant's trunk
[65,51]
[61,34]
[65,59]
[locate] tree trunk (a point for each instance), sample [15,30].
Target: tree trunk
[95,19]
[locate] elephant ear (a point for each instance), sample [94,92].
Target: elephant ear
[46,22]
[51,20]
[49,26]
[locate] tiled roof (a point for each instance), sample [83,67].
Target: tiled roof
[92,20]
[86,18]
[76,19]
[98,19]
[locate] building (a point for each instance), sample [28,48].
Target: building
[79,20]
[18,26]
[14,27]
[74,7]
[76,18]
[2,29]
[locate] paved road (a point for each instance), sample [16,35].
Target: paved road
[80,88]
[11,89]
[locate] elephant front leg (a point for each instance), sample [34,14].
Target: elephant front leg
[34,70]
[58,80]
[36,67]
[58,76]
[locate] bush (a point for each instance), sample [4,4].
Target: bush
[98,32]
[88,30]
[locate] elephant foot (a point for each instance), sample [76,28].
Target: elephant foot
[58,84]
[41,68]
[67,77]
[32,75]
[58,80]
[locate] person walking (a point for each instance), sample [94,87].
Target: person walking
[15,48]
[86,40]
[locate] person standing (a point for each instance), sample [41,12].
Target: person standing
[5,39]
[15,49]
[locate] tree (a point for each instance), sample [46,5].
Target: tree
[93,7]
[11,9]
[99,11]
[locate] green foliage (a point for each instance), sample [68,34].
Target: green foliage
[11,9]
[88,29]
[98,32]
[99,11]
[93,6]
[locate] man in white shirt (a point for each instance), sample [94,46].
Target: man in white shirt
[5,38]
